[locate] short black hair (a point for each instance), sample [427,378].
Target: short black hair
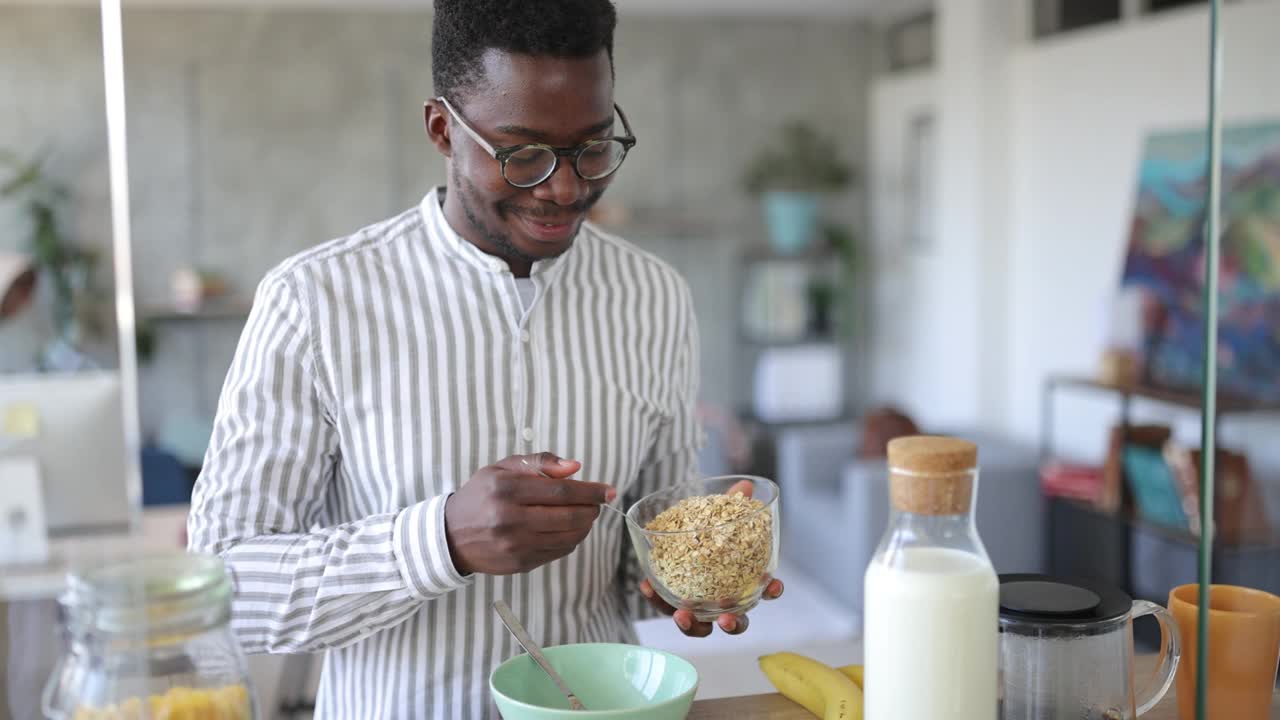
[463,30]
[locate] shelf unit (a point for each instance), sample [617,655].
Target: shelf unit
[213,318]
[1140,557]
[1188,399]
[814,263]
[227,310]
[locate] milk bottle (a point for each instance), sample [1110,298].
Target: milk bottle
[931,595]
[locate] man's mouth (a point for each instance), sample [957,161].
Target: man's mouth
[549,229]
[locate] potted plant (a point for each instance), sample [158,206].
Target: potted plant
[66,267]
[831,294]
[790,178]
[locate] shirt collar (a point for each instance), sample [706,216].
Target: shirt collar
[440,232]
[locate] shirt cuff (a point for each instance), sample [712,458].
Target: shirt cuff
[422,550]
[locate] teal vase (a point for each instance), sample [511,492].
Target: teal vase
[792,220]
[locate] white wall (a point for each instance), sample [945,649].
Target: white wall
[1080,108]
[1072,117]
[940,324]
[1070,121]
[904,330]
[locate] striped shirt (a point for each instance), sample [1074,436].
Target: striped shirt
[375,375]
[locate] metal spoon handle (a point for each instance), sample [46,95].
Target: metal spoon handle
[617,510]
[535,652]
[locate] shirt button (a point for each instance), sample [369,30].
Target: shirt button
[528,434]
[524,336]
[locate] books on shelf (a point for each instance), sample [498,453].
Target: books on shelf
[1074,481]
[1156,492]
[1149,476]
[1239,509]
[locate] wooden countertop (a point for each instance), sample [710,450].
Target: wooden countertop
[777,707]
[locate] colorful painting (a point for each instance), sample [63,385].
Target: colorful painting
[1166,259]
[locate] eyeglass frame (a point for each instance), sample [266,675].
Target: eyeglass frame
[504,153]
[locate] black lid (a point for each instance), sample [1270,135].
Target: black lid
[1045,603]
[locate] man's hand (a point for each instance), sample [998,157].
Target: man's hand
[521,513]
[728,622]
[689,625]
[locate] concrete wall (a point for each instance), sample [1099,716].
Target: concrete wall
[254,134]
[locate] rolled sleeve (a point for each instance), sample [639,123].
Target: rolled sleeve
[422,550]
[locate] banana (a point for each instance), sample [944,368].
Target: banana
[853,672]
[819,688]
[788,680]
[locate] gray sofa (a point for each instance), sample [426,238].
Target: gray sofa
[835,508]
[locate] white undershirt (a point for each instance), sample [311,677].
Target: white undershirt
[526,288]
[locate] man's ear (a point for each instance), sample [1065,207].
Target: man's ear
[436,121]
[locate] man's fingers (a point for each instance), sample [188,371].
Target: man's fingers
[549,555]
[732,624]
[543,463]
[563,541]
[560,518]
[773,590]
[690,626]
[662,606]
[742,487]
[539,490]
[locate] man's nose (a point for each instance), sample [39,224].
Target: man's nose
[564,187]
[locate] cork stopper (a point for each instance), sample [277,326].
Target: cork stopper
[932,475]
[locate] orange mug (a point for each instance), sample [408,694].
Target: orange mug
[1244,650]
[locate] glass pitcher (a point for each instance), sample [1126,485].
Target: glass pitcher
[1066,650]
[149,638]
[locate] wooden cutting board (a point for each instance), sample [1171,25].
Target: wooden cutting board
[777,707]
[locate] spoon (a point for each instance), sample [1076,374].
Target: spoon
[620,512]
[535,652]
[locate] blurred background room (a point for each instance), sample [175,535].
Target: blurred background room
[969,217]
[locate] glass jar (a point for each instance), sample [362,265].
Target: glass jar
[150,638]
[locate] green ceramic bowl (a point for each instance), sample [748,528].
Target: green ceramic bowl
[622,682]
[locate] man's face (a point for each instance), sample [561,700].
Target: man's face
[561,102]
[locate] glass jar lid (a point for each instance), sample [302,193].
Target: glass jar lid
[149,595]
[1041,605]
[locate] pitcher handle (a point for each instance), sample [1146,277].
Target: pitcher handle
[1170,650]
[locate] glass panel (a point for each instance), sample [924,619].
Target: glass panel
[62,383]
[68,453]
[1161,5]
[1239,642]
[1056,16]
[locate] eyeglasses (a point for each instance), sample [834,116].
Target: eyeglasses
[525,166]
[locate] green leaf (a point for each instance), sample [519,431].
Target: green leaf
[802,160]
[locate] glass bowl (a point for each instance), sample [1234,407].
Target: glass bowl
[709,552]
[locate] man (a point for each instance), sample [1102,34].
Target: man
[401,436]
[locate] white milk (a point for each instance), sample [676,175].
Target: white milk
[931,630]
